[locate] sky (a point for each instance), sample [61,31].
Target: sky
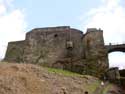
[20,16]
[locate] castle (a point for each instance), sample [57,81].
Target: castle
[62,47]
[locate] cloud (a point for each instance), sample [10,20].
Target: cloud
[12,25]
[118,59]
[2,9]
[110,17]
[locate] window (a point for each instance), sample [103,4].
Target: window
[55,35]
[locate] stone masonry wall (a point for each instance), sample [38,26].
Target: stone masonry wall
[15,51]
[95,53]
[50,45]
[62,47]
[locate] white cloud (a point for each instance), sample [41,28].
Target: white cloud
[12,25]
[110,17]
[118,59]
[2,9]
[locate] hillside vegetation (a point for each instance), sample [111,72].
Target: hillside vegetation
[33,79]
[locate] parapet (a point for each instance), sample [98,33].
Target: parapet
[93,29]
[49,29]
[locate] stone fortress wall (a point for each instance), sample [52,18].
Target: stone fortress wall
[62,47]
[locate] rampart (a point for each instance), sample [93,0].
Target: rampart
[62,47]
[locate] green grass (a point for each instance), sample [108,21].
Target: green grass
[92,87]
[106,89]
[3,62]
[62,72]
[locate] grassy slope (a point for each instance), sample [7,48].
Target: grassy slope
[91,87]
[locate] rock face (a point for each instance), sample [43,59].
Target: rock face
[62,47]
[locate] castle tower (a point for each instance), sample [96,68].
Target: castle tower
[95,51]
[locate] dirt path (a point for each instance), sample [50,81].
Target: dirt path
[99,90]
[107,88]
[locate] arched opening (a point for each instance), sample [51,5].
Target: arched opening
[117,59]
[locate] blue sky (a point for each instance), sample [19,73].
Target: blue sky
[20,16]
[42,13]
